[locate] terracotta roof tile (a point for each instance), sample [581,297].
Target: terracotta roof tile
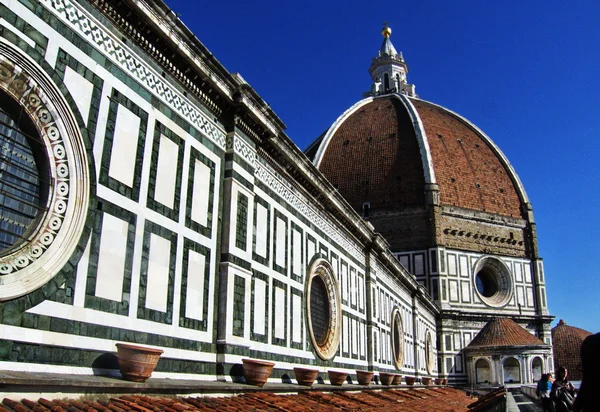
[409,399]
[567,342]
[469,173]
[374,157]
[503,332]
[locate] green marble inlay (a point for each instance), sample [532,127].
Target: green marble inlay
[118,101]
[170,212]
[239,303]
[241,224]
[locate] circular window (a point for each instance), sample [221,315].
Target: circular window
[323,309]
[429,354]
[493,282]
[44,177]
[23,175]
[397,339]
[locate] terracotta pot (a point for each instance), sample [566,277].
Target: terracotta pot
[410,380]
[426,381]
[445,381]
[397,379]
[364,377]
[137,362]
[386,378]
[257,372]
[337,378]
[438,381]
[306,376]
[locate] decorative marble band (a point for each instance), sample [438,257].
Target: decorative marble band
[60,225]
[269,177]
[79,20]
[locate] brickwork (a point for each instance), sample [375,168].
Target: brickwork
[567,342]
[374,157]
[469,173]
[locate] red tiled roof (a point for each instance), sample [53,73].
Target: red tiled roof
[438,399]
[567,346]
[469,173]
[374,157]
[503,332]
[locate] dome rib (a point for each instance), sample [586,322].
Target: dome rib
[471,170]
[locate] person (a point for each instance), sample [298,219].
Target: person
[563,392]
[543,392]
[590,365]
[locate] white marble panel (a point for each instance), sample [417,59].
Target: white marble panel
[124,146]
[520,296]
[201,193]
[518,272]
[280,234]
[296,319]
[464,266]
[418,265]
[344,282]
[111,258]
[346,334]
[260,293]
[466,291]
[194,298]
[310,250]
[166,172]
[453,286]
[452,270]
[354,337]
[527,273]
[361,293]
[352,287]
[362,339]
[404,260]
[279,313]
[81,91]
[468,338]
[457,342]
[297,258]
[262,225]
[157,287]
[529,296]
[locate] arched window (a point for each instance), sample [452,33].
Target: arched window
[386,82]
[323,307]
[483,373]
[398,80]
[23,174]
[537,368]
[512,370]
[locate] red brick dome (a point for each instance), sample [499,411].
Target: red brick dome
[567,342]
[385,150]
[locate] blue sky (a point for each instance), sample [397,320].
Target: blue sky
[527,73]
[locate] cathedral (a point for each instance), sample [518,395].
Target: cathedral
[149,196]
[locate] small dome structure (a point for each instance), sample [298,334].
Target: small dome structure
[504,353]
[567,342]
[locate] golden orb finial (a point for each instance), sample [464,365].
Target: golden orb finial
[386,31]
